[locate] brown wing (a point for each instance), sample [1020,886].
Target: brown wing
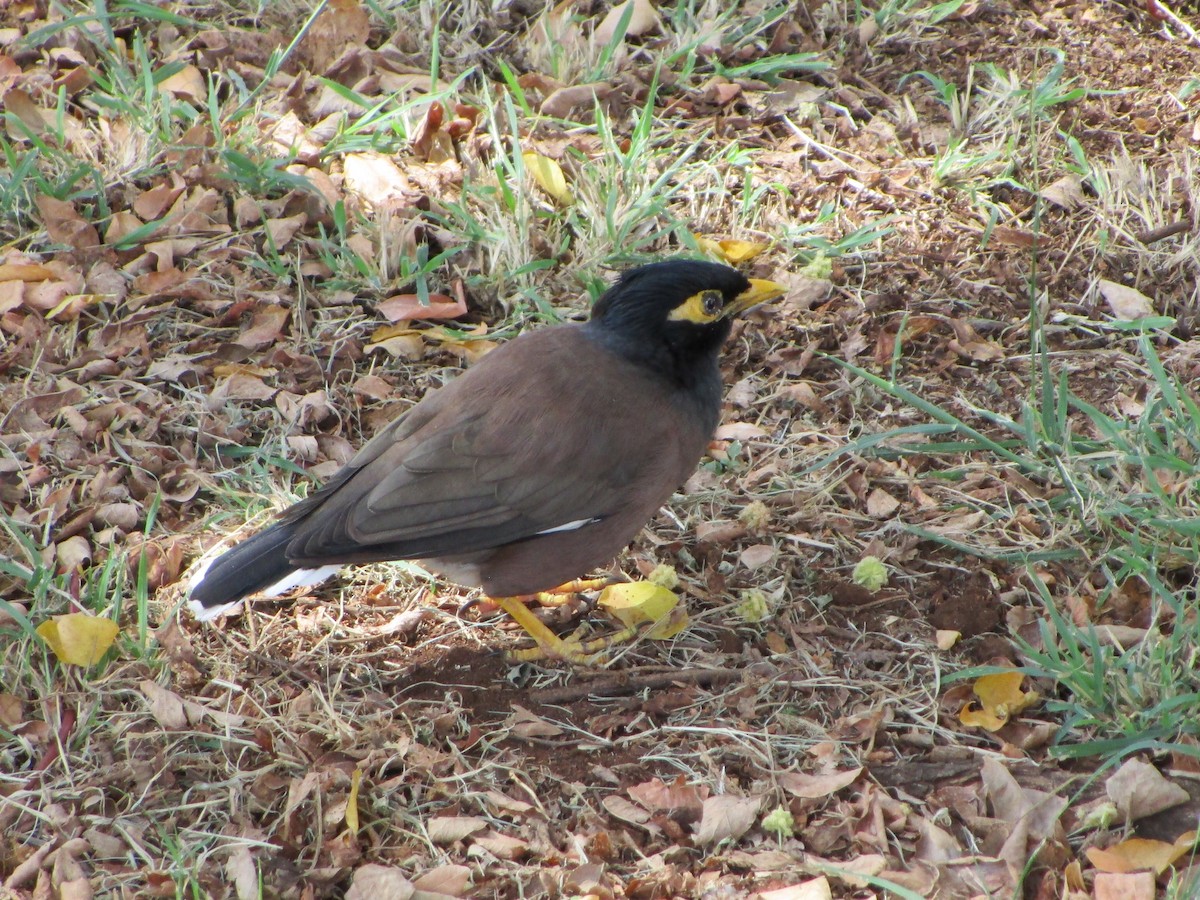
[502,453]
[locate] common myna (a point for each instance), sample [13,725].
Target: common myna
[531,468]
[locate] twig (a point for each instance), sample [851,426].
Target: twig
[1160,9]
[1164,231]
[632,682]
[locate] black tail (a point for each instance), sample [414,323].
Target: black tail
[252,565]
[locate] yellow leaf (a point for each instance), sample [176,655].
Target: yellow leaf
[1001,698]
[352,802]
[641,602]
[549,176]
[1138,853]
[79,639]
[730,251]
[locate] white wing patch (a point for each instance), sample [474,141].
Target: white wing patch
[571,526]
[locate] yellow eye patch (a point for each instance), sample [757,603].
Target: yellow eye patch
[701,308]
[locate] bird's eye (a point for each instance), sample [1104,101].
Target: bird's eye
[713,303]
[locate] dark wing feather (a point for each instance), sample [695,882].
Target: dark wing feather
[499,454]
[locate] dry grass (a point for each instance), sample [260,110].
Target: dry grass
[913,223]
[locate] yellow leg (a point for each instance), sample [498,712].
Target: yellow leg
[549,644]
[564,592]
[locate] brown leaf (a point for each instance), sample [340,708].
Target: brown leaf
[525,724]
[726,817]
[739,431]
[816,787]
[11,714]
[25,272]
[266,327]
[816,889]
[375,178]
[152,204]
[65,225]
[881,504]
[622,810]
[756,556]
[563,102]
[1126,303]
[281,231]
[502,846]
[432,143]
[403,307]
[243,387]
[658,796]
[1121,886]
[186,84]
[376,882]
[28,113]
[72,554]
[242,873]
[343,25]
[1066,192]
[644,18]
[1138,789]
[166,706]
[448,829]
[450,880]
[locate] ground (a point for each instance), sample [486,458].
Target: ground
[211,291]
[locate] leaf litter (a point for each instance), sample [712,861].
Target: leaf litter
[150,339]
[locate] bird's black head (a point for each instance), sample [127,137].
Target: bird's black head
[675,315]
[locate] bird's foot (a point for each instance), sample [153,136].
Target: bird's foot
[564,593]
[549,645]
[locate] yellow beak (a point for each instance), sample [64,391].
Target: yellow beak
[760,291]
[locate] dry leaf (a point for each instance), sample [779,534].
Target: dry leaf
[403,307]
[11,711]
[1000,698]
[1131,886]
[639,603]
[375,178]
[65,225]
[644,18]
[1138,789]
[1066,192]
[375,882]
[739,431]
[1126,303]
[658,796]
[242,873]
[525,724]
[502,846]
[881,504]
[726,817]
[946,638]
[343,26]
[448,829]
[729,250]
[186,84]
[166,706]
[79,639]
[562,102]
[549,176]
[1135,854]
[756,556]
[281,231]
[622,810]
[817,889]
[352,801]
[448,880]
[816,787]
[266,327]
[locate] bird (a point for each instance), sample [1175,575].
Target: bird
[533,467]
